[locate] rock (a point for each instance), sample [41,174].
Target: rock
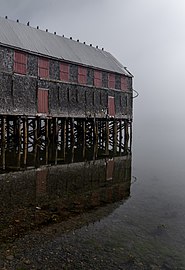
[10,257]
[26,261]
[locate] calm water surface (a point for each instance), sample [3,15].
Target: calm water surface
[149,227]
[147,231]
[141,229]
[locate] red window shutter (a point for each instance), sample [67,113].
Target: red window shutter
[111,80]
[43,101]
[111,106]
[82,75]
[20,62]
[64,72]
[98,78]
[124,85]
[43,68]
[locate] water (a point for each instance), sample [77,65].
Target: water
[140,228]
[156,207]
[31,198]
[148,232]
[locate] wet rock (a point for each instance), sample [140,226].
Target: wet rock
[26,261]
[10,257]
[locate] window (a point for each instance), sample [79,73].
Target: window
[111,80]
[64,72]
[43,68]
[20,62]
[123,83]
[98,78]
[82,75]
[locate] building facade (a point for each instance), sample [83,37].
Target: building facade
[55,87]
[36,81]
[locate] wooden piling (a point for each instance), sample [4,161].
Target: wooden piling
[72,131]
[25,139]
[130,135]
[19,130]
[126,136]
[106,137]
[65,136]
[115,135]
[38,130]
[36,136]
[46,131]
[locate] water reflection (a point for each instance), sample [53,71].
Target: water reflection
[50,188]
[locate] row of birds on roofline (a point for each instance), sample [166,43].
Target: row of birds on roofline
[28,24]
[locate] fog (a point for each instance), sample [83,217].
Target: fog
[146,36]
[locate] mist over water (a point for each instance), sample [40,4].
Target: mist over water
[158,194]
[158,141]
[146,232]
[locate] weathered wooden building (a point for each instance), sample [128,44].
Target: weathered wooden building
[46,76]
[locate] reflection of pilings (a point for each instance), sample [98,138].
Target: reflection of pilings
[115,136]
[130,126]
[25,136]
[61,192]
[28,136]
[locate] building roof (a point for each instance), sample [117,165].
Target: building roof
[24,37]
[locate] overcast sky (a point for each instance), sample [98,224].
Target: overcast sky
[147,36]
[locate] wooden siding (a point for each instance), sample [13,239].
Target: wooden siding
[19,94]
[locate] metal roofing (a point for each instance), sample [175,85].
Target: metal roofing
[27,38]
